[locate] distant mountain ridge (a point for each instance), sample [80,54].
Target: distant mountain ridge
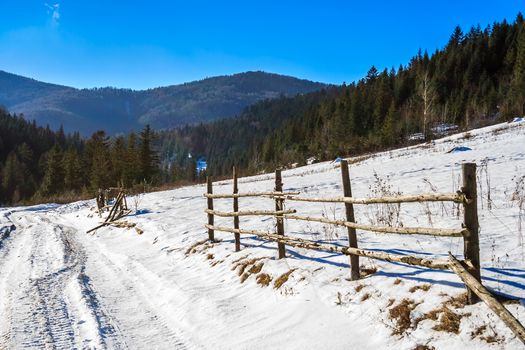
[121,110]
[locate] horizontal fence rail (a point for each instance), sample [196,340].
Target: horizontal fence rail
[303,243]
[249,194]
[444,232]
[251,213]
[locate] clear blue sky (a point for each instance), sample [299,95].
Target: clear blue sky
[142,44]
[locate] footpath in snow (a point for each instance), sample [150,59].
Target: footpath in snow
[169,289]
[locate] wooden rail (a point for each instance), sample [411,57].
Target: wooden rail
[444,232]
[250,213]
[249,194]
[302,243]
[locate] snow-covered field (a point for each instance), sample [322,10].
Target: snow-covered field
[63,288]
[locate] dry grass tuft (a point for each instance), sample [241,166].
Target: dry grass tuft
[282,279]
[401,315]
[256,268]
[367,271]
[193,248]
[359,287]
[209,256]
[390,302]
[424,287]
[365,297]
[449,321]
[264,279]
[244,277]
[424,347]
[397,281]
[459,301]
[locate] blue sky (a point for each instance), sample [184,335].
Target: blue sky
[142,44]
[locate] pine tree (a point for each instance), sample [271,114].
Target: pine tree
[148,157]
[72,170]
[53,182]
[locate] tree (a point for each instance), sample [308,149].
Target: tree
[148,156]
[53,182]
[427,94]
[97,150]
[72,170]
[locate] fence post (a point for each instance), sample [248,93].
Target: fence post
[279,205]
[470,217]
[211,234]
[352,237]
[236,209]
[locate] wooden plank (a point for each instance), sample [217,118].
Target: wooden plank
[211,235]
[483,293]
[444,232]
[236,210]
[301,243]
[470,217]
[249,194]
[279,207]
[279,213]
[349,208]
[433,197]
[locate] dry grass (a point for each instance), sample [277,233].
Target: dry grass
[255,269]
[243,264]
[193,248]
[459,301]
[390,302]
[401,315]
[365,297]
[282,279]
[367,271]
[397,281]
[449,321]
[209,256]
[359,287]
[423,287]
[264,279]
[424,347]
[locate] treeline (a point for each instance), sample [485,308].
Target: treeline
[38,164]
[477,78]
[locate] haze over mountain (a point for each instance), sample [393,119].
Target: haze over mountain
[120,110]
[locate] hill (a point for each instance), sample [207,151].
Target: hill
[122,110]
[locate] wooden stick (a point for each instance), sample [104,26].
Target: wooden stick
[211,235]
[433,197]
[236,210]
[301,243]
[250,194]
[349,208]
[445,232]
[279,207]
[251,213]
[475,286]
[114,208]
[470,217]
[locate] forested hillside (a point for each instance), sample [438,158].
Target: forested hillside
[123,110]
[477,78]
[39,164]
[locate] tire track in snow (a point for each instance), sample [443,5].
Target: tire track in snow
[46,300]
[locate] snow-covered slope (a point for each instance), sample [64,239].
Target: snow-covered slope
[162,289]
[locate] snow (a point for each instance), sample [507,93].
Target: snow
[64,288]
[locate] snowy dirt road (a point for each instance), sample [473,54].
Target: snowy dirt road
[60,291]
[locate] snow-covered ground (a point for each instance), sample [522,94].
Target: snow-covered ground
[63,288]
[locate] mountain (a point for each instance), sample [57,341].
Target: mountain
[121,110]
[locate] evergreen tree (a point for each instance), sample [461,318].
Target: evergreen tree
[148,156]
[53,182]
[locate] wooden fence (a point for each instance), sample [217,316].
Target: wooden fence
[468,270]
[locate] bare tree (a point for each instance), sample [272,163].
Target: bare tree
[427,94]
